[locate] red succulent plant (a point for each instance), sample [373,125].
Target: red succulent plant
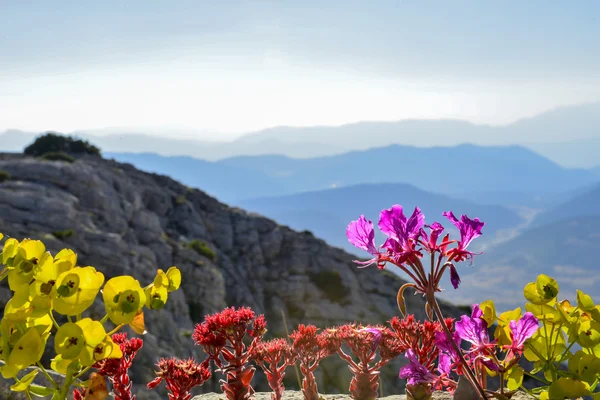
[311,347]
[222,335]
[116,369]
[364,343]
[180,376]
[274,356]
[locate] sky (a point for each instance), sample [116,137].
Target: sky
[216,69]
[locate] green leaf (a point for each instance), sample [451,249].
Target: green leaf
[584,301]
[514,378]
[41,391]
[568,388]
[588,368]
[544,312]
[23,383]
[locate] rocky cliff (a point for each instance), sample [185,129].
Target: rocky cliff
[124,221]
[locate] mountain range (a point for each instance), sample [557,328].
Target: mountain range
[511,176]
[327,213]
[567,135]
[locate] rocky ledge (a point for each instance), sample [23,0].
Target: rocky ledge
[297,395]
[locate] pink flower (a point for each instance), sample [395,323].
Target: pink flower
[522,330]
[415,372]
[430,241]
[474,329]
[402,233]
[361,234]
[469,229]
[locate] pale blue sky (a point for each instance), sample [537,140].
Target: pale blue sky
[234,66]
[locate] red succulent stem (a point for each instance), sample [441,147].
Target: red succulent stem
[365,381]
[309,384]
[365,344]
[274,357]
[176,392]
[365,385]
[122,386]
[275,379]
[222,337]
[116,370]
[238,373]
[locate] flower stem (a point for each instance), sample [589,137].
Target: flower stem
[438,312]
[83,371]
[41,367]
[64,390]
[53,320]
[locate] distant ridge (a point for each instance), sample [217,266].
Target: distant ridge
[327,212]
[566,135]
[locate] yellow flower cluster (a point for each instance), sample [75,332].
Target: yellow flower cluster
[45,285]
[565,327]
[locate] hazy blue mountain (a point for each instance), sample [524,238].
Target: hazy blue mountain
[568,135]
[494,175]
[566,250]
[582,203]
[582,153]
[596,170]
[361,135]
[508,175]
[227,183]
[327,213]
[162,142]
[572,122]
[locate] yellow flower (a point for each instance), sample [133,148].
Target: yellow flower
[158,291]
[76,289]
[174,276]
[98,345]
[123,298]
[156,297]
[26,351]
[101,351]
[11,246]
[69,341]
[30,258]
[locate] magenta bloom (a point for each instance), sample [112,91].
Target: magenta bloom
[402,233]
[445,346]
[362,235]
[394,224]
[522,330]
[448,355]
[454,278]
[430,241]
[415,372]
[445,364]
[469,229]
[474,329]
